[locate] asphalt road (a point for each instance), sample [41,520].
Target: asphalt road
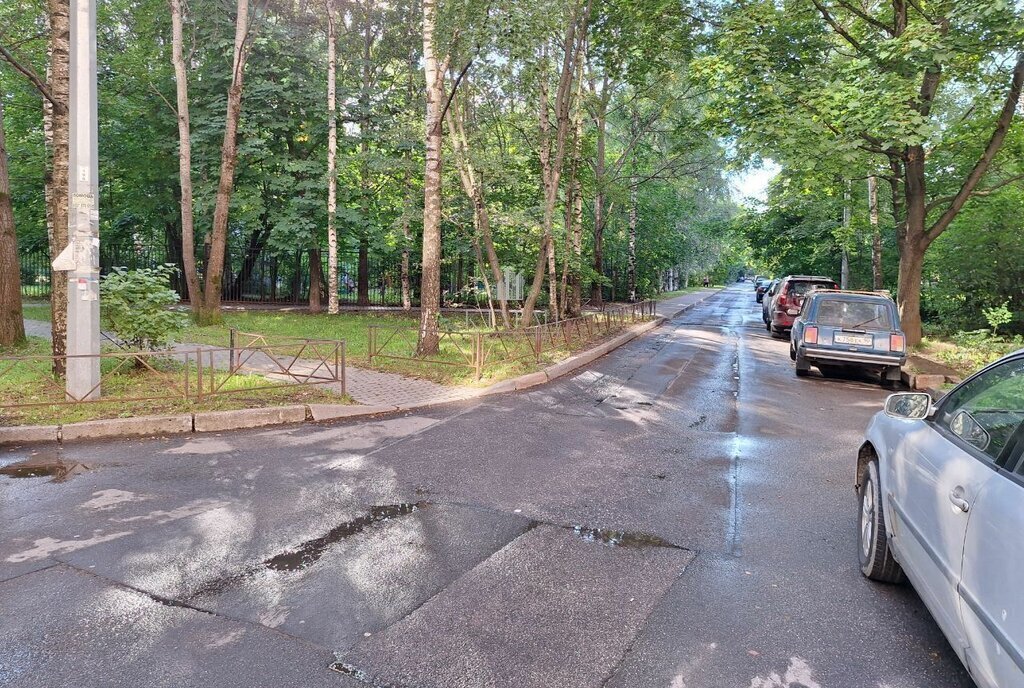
[678,515]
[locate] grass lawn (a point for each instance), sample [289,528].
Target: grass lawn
[25,382]
[507,355]
[36,310]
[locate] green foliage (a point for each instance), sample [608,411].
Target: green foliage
[969,351]
[998,316]
[136,306]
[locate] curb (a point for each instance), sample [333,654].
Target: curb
[219,421]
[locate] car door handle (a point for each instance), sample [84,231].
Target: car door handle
[958,501]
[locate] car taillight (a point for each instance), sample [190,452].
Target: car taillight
[897,342]
[811,335]
[782,301]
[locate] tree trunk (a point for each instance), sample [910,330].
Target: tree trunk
[363,273]
[332,163]
[363,267]
[844,268]
[12,325]
[631,255]
[473,187]
[60,66]
[574,297]
[315,285]
[188,252]
[597,288]
[210,311]
[430,281]
[908,290]
[876,235]
[551,161]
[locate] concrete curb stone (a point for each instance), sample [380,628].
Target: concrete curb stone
[29,434]
[216,421]
[319,412]
[141,426]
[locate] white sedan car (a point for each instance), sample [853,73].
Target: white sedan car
[941,489]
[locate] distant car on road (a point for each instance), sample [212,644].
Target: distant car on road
[763,291]
[848,329]
[760,287]
[789,297]
[941,488]
[766,301]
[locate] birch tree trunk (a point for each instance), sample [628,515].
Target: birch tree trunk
[57,174]
[332,162]
[12,325]
[601,123]
[876,235]
[188,247]
[430,283]
[631,254]
[844,270]
[363,265]
[210,312]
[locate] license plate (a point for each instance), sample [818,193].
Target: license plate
[855,339]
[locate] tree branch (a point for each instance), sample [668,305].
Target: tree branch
[994,144]
[988,191]
[32,77]
[837,26]
[867,17]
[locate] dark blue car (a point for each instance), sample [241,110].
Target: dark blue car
[838,329]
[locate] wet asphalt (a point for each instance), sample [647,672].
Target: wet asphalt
[680,514]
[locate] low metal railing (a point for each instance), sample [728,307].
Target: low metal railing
[188,374]
[479,349]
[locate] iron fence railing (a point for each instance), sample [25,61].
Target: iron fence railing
[477,350]
[191,374]
[262,275]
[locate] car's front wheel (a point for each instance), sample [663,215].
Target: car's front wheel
[876,560]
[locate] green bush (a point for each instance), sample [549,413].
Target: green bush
[136,306]
[1000,315]
[978,348]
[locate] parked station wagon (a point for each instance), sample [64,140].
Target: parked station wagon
[848,329]
[941,487]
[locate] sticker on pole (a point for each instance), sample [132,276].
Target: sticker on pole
[66,259]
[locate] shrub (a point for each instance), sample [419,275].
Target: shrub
[1000,315]
[136,306]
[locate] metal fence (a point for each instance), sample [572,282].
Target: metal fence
[478,350]
[256,275]
[191,375]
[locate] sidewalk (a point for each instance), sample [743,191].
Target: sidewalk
[377,388]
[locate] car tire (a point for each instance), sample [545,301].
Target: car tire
[792,353]
[776,334]
[768,325]
[876,560]
[803,368]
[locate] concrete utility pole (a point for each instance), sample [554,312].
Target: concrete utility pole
[83,374]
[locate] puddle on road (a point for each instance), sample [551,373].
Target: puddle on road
[44,467]
[621,538]
[310,551]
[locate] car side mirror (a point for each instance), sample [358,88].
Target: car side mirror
[909,405]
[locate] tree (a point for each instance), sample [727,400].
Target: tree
[923,97]
[55,92]
[12,326]
[430,284]
[332,161]
[553,147]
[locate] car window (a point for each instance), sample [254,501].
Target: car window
[986,411]
[854,314]
[801,288]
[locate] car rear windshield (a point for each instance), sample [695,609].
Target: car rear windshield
[802,287]
[854,314]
